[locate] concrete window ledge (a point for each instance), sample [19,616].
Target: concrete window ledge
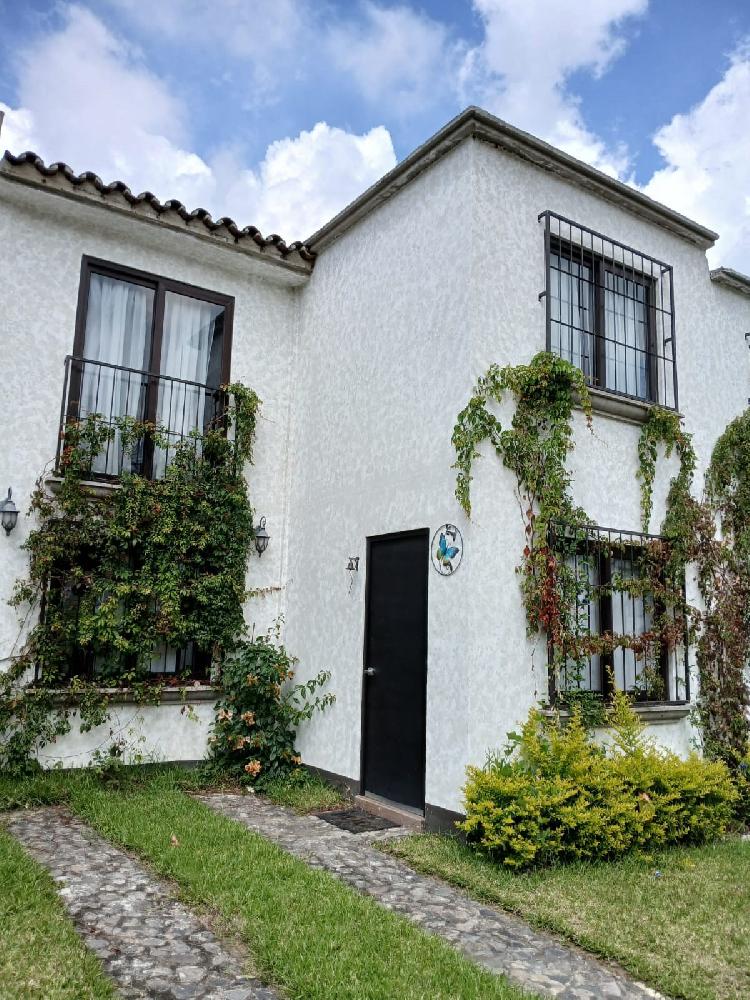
[190,694]
[632,411]
[97,489]
[651,714]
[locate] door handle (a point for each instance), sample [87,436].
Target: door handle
[369,671]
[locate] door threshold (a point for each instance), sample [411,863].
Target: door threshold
[406,816]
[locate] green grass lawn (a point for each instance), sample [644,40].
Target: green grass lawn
[41,956]
[306,931]
[685,931]
[305,793]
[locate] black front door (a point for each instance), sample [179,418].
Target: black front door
[395,665]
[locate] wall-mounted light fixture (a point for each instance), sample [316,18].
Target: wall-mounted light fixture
[8,513]
[262,538]
[352,568]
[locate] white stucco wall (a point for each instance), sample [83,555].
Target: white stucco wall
[143,734]
[38,296]
[402,314]
[384,346]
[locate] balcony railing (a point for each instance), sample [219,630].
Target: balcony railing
[613,584]
[115,395]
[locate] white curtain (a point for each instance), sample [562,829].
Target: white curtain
[118,329]
[187,339]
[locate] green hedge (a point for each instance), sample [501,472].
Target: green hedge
[555,796]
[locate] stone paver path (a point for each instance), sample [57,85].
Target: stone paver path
[497,940]
[148,943]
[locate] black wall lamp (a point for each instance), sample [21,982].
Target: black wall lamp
[262,538]
[8,513]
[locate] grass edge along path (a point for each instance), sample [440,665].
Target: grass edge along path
[41,955]
[678,920]
[307,932]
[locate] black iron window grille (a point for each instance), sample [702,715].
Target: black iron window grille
[610,312]
[104,665]
[622,620]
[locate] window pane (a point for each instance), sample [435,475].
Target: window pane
[118,333]
[631,616]
[626,335]
[584,674]
[191,354]
[572,312]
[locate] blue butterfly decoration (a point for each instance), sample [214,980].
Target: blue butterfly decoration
[446,552]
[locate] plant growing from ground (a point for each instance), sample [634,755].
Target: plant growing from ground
[724,579]
[721,628]
[535,450]
[555,796]
[259,712]
[555,584]
[157,564]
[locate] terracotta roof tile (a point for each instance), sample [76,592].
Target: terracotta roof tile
[173,205]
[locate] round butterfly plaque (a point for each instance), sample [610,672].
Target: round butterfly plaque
[447,549]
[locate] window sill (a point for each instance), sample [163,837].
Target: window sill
[633,411]
[96,488]
[652,714]
[187,694]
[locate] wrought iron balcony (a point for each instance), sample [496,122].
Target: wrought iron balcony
[116,396]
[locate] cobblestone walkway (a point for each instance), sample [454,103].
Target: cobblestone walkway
[148,943]
[499,941]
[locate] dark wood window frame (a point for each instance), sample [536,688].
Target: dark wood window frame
[160,285]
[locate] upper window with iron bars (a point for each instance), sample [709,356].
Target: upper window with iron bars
[610,312]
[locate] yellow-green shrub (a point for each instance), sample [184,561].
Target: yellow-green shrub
[557,796]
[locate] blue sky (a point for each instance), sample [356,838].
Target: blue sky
[278,112]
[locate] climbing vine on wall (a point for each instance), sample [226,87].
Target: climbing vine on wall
[535,449]
[158,564]
[721,628]
[724,578]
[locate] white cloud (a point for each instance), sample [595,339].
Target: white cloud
[707,154]
[398,55]
[271,39]
[302,182]
[17,130]
[521,69]
[86,98]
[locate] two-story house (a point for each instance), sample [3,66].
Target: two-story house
[484,245]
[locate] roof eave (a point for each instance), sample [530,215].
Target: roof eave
[474,122]
[732,279]
[29,170]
